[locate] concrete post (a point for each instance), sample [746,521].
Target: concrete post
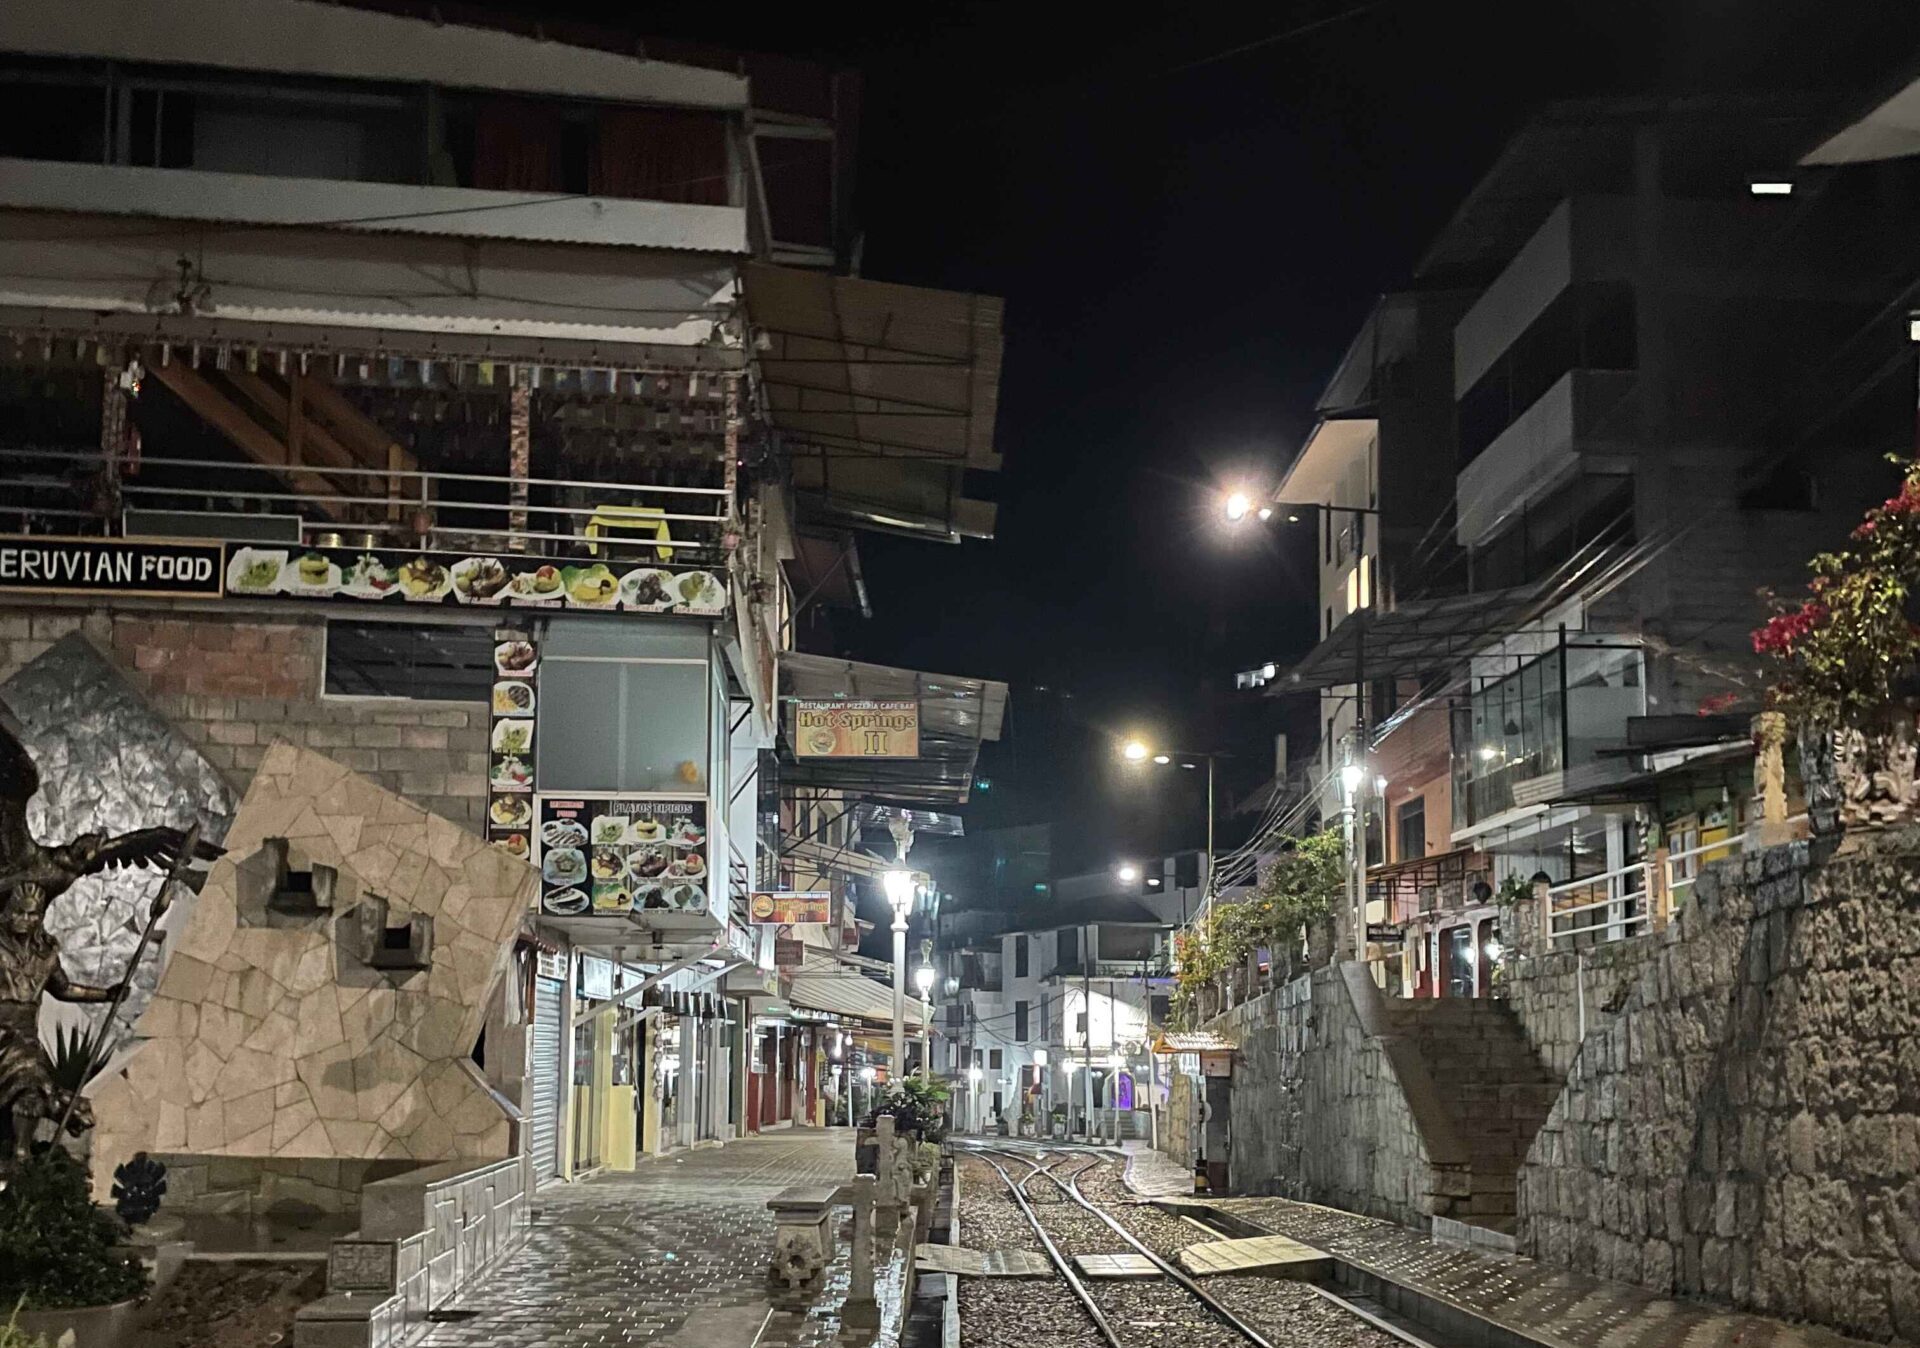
[861,1310]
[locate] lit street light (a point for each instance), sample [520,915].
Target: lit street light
[1127,872]
[923,980]
[1238,504]
[1134,751]
[1138,751]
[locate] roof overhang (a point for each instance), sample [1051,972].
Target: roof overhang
[956,716]
[302,38]
[823,984]
[885,394]
[1888,129]
[1319,473]
[1196,1041]
[1418,638]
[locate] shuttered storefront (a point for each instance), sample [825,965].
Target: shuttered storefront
[546,1079]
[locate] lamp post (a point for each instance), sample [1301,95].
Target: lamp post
[1040,1071]
[923,981]
[1353,777]
[899,887]
[973,1098]
[1138,752]
[866,1075]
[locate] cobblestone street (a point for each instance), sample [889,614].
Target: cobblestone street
[675,1253]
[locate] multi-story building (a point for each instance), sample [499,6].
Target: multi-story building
[1668,388]
[1050,1016]
[470,407]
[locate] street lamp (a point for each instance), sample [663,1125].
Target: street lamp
[899,886]
[973,1097]
[1238,504]
[1138,751]
[1046,1091]
[1127,872]
[923,981]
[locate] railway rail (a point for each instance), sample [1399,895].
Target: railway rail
[1172,1310]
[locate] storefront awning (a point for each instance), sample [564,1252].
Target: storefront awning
[1193,1041]
[822,984]
[956,716]
[885,394]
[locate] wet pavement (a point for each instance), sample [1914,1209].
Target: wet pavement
[675,1253]
[1552,1306]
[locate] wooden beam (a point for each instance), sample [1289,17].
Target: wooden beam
[248,435]
[313,445]
[368,440]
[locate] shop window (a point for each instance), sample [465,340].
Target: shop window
[1411,827]
[624,710]
[434,663]
[1020,1021]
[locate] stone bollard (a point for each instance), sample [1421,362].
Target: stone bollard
[861,1310]
[889,1200]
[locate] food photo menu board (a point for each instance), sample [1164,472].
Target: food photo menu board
[612,855]
[516,661]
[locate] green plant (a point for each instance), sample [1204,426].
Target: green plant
[1295,891]
[56,1248]
[915,1104]
[12,1336]
[1841,652]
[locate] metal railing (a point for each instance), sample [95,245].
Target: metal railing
[387,504]
[1626,896]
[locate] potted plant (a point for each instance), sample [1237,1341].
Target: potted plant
[918,1106]
[61,1258]
[1845,658]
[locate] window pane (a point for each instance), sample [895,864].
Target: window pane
[577,747]
[451,664]
[664,728]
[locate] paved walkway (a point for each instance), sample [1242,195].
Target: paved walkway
[1551,1305]
[674,1254]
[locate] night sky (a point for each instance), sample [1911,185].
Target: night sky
[1188,221]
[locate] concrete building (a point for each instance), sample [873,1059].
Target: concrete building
[1666,391]
[473,410]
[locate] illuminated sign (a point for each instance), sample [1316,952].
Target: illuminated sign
[831,728]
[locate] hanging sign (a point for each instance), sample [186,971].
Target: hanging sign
[834,728]
[112,566]
[788,954]
[788,910]
[1386,933]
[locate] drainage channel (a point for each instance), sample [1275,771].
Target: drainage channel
[1406,1312]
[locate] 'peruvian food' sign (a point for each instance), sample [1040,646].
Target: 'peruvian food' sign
[208,570]
[831,728]
[125,566]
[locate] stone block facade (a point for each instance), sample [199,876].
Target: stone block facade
[1319,1111]
[232,682]
[266,1186]
[1745,1125]
[271,1034]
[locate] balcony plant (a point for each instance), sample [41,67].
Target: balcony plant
[1844,657]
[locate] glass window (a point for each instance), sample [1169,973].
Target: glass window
[997,1059]
[617,726]
[432,662]
[1020,956]
[1020,1021]
[1412,829]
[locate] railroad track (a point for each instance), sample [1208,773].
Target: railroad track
[1173,1310]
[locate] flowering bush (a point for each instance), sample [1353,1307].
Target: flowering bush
[1841,651]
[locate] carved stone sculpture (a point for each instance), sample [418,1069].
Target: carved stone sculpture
[32,876]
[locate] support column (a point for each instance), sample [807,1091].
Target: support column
[519,452]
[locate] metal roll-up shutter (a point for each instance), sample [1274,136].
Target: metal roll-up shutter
[546,1078]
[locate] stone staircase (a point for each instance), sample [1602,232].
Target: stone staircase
[1491,1085]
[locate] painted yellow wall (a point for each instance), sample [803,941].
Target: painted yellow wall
[619,1129]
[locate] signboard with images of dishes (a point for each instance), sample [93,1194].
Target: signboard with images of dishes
[606,856]
[510,742]
[455,578]
[859,728]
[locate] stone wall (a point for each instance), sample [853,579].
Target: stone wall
[1746,1126]
[1178,1121]
[233,682]
[1320,1112]
[263,1186]
[1561,996]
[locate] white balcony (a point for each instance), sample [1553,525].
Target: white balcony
[1543,447]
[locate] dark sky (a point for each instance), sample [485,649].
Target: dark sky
[1188,221]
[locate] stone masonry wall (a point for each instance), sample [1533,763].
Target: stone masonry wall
[1318,1110]
[1746,1126]
[233,683]
[1547,993]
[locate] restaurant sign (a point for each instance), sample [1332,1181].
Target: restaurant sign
[203,569]
[786,910]
[112,566]
[836,728]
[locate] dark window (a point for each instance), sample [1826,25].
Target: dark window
[1020,1021]
[976,1057]
[1020,956]
[1160,1007]
[1067,948]
[996,1060]
[1126,943]
[1588,327]
[1787,487]
[446,664]
[1411,818]
[956,1015]
[51,121]
[1592,510]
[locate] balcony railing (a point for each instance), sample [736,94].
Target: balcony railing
[58,490]
[1425,884]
